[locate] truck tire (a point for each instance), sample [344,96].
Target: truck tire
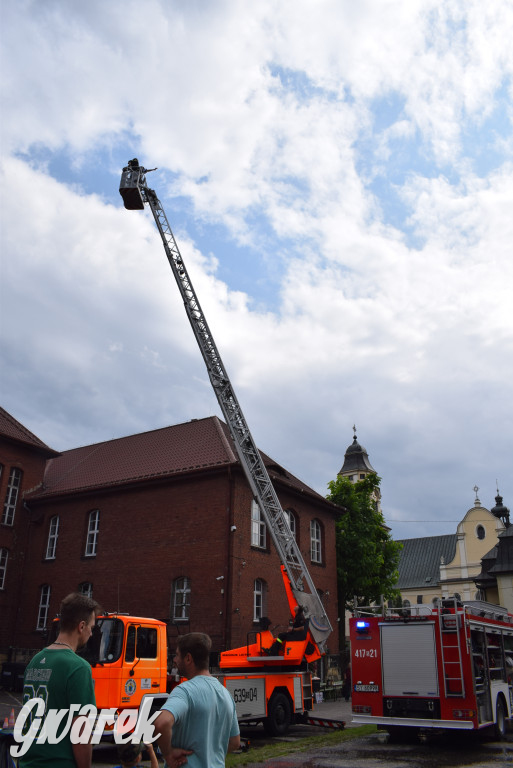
[500,719]
[279,715]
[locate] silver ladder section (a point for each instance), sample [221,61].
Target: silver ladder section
[450,645]
[135,192]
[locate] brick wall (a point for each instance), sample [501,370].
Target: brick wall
[14,538]
[153,533]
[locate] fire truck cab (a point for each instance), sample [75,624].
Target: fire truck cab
[449,666]
[128,655]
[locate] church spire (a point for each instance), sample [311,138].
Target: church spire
[357,466]
[356,460]
[499,510]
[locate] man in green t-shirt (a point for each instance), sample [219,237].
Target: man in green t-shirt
[61,678]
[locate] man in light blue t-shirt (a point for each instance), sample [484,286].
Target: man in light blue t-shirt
[198,723]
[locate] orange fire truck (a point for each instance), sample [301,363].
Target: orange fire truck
[129,660]
[267,685]
[450,666]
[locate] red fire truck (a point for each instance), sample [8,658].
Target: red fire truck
[450,666]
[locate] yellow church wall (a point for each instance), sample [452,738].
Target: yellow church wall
[476,535]
[505,591]
[428,595]
[476,518]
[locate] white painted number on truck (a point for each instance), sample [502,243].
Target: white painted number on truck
[248,695]
[362,653]
[245,694]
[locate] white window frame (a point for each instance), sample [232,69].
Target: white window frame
[4,556]
[258,527]
[93,527]
[259,599]
[480,529]
[44,606]
[85,588]
[291,520]
[182,599]
[11,495]
[53,535]
[315,541]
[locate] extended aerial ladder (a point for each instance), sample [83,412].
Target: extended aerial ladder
[135,193]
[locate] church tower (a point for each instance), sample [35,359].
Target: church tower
[357,466]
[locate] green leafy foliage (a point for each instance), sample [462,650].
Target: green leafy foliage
[367,556]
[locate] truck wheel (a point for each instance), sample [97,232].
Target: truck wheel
[500,719]
[279,715]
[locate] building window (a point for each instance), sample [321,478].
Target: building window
[93,528]
[480,532]
[315,542]
[4,554]
[362,477]
[44,605]
[11,496]
[259,599]
[258,529]
[291,520]
[53,534]
[86,588]
[181,599]
[419,599]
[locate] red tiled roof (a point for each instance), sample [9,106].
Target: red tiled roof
[13,430]
[162,452]
[194,445]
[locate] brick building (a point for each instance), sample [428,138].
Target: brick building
[23,458]
[160,524]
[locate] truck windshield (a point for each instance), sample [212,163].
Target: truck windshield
[112,640]
[106,643]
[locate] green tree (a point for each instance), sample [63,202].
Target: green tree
[367,556]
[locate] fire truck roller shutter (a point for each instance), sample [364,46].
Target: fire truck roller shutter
[409,660]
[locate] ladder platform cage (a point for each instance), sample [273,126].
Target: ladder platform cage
[129,188]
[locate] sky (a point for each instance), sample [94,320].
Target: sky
[339,179]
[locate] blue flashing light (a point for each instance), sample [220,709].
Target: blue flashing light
[362,627]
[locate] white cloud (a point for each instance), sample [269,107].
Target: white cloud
[270,125]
